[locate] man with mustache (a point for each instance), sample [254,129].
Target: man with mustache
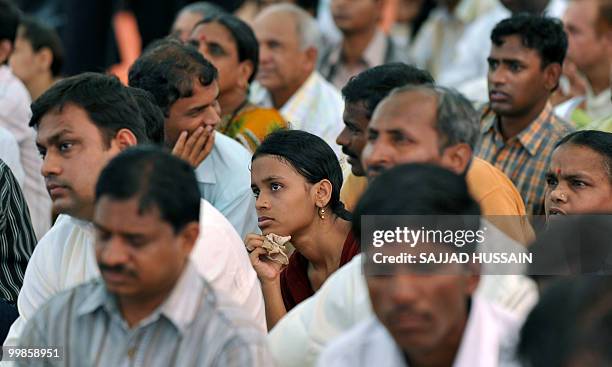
[288,50]
[424,314]
[519,128]
[151,305]
[361,96]
[82,122]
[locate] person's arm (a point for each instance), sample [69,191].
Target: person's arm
[129,42]
[40,283]
[268,272]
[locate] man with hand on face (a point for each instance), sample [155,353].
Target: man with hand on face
[519,128]
[151,305]
[185,87]
[82,122]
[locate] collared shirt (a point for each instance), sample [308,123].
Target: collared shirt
[224,178]
[194,326]
[9,153]
[525,157]
[488,340]
[65,257]
[380,50]
[17,239]
[468,71]
[434,48]
[14,116]
[316,107]
[343,301]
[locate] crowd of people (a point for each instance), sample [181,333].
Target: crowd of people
[202,195]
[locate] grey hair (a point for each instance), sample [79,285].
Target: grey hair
[456,119]
[306,26]
[202,8]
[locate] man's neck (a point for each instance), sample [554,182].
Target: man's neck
[599,77]
[282,95]
[511,126]
[231,101]
[444,354]
[134,309]
[355,44]
[39,85]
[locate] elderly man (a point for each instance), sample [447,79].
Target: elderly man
[151,305]
[288,39]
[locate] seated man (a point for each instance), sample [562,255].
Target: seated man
[82,122]
[151,305]
[424,314]
[416,124]
[519,128]
[288,49]
[579,179]
[186,89]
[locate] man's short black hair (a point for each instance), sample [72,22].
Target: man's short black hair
[417,189]
[9,20]
[246,43]
[105,100]
[598,141]
[155,178]
[167,69]
[151,113]
[373,85]
[40,36]
[540,33]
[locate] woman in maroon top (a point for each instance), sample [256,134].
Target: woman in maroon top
[296,179]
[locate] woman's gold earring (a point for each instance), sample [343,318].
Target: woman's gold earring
[322,213]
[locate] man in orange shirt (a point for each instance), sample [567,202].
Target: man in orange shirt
[429,124]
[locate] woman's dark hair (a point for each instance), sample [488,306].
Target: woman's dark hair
[246,43]
[598,141]
[311,157]
[41,36]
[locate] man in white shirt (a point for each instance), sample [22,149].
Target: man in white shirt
[468,71]
[288,50]
[82,123]
[9,153]
[14,116]
[425,313]
[186,89]
[590,50]
[435,47]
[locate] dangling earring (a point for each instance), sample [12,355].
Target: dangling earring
[322,213]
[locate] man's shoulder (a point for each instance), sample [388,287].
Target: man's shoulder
[230,149]
[64,304]
[559,126]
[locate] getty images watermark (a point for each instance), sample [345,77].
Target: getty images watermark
[435,243]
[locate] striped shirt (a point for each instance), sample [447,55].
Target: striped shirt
[194,326]
[525,157]
[17,239]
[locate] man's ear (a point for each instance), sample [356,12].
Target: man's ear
[322,193]
[457,158]
[6,47]
[311,54]
[124,139]
[552,73]
[189,235]
[44,58]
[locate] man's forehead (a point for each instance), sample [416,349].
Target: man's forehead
[267,25]
[63,119]
[512,48]
[407,106]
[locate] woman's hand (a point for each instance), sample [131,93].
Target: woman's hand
[267,270]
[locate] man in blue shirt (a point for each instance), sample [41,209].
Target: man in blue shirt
[185,87]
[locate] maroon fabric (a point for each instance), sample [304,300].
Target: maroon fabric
[295,285]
